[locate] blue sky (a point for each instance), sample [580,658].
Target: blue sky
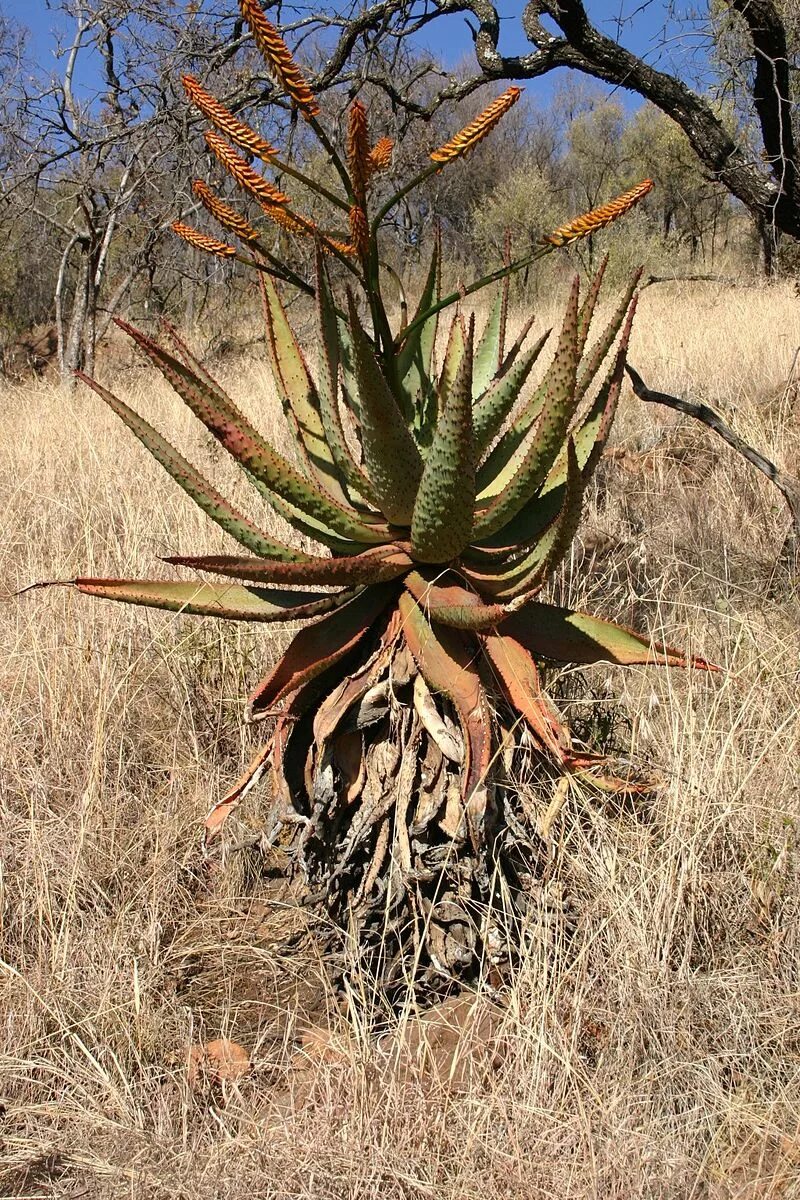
[644,26]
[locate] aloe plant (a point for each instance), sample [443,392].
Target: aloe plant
[443,490]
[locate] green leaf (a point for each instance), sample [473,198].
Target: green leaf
[596,356]
[518,343]
[530,572]
[490,350]
[528,469]
[230,601]
[442,520]
[592,434]
[498,400]
[301,404]
[415,355]
[563,635]
[330,357]
[589,305]
[194,484]
[391,458]
[499,463]
[373,566]
[590,439]
[454,352]
[319,646]
[249,449]
[319,532]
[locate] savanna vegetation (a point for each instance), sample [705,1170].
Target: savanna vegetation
[507,902]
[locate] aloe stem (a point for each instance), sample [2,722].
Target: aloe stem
[332,153]
[475,286]
[319,188]
[415,182]
[273,267]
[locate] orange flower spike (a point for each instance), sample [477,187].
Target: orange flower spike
[478,129]
[278,58]
[238,132]
[598,218]
[329,244]
[359,230]
[228,217]
[201,241]
[290,221]
[380,156]
[358,150]
[265,192]
[303,227]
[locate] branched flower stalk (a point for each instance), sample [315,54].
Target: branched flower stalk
[443,492]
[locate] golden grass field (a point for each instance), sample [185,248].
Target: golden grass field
[650,1046]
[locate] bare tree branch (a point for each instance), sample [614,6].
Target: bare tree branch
[788,486]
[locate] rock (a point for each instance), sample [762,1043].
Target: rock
[216,1062]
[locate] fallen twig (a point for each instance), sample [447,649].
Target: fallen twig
[728,280]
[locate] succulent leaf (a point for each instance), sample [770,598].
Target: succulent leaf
[330,359]
[228,600]
[520,680]
[587,308]
[590,438]
[445,662]
[527,471]
[191,361]
[454,352]
[530,572]
[391,458]
[249,449]
[591,435]
[519,341]
[447,601]
[317,530]
[373,566]
[415,356]
[596,355]
[490,350]
[442,522]
[194,484]
[298,394]
[563,635]
[497,400]
[319,646]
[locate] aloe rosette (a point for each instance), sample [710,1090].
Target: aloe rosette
[443,489]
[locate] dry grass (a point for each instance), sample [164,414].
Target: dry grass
[651,1044]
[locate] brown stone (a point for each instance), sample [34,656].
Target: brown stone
[218,1061]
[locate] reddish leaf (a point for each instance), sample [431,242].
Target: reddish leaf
[230,601]
[219,812]
[373,566]
[520,681]
[355,686]
[449,602]
[265,465]
[446,662]
[204,494]
[319,646]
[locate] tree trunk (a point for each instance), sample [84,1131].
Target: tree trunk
[71,356]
